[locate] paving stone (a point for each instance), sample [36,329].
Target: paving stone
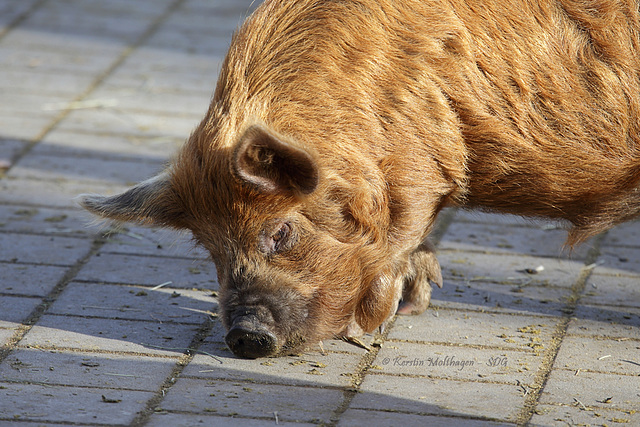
[136,124]
[508,269]
[56,250]
[607,321]
[152,241]
[476,216]
[92,334]
[439,397]
[57,193]
[308,369]
[612,290]
[301,404]
[27,219]
[16,309]
[359,417]
[47,167]
[619,262]
[167,419]
[575,415]
[594,390]
[152,271]
[607,356]
[9,148]
[6,333]
[33,402]
[165,305]
[407,359]
[23,127]
[627,234]
[538,299]
[498,238]
[107,145]
[472,328]
[56,59]
[48,83]
[29,280]
[82,369]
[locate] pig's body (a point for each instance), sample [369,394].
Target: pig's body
[339,130]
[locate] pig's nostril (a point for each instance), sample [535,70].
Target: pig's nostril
[251,344]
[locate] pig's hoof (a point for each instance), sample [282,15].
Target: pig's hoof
[251,344]
[423,271]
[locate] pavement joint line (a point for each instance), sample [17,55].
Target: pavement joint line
[89,387]
[60,349]
[20,18]
[128,319]
[443,378]
[553,346]
[462,345]
[127,51]
[143,416]
[47,300]
[439,415]
[445,219]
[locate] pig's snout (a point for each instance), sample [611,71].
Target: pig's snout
[249,339]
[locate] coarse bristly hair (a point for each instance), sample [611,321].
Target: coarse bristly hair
[339,129]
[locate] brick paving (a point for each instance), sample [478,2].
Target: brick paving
[98,95]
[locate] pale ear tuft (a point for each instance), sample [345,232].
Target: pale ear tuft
[273,165]
[147,203]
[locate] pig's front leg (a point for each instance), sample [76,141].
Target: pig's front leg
[423,271]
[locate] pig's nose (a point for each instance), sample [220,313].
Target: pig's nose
[251,343]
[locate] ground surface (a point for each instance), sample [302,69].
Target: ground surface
[96,95]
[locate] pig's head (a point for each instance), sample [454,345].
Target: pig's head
[300,250]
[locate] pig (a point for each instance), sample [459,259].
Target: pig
[338,130]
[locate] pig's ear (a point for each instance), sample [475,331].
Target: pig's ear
[273,165]
[148,203]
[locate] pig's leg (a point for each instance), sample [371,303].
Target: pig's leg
[423,271]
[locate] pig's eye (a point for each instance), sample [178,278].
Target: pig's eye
[277,240]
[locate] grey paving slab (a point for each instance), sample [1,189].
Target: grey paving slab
[152,241]
[508,269]
[48,167]
[84,369]
[576,415]
[608,356]
[593,389]
[620,262]
[112,335]
[5,334]
[107,145]
[56,250]
[137,124]
[152,271]
[627,234]
[29,280]
[456,362]
[51,193]
[167,419]
[439,397]
[29,219]
[473,328]
[16,309]
[612,290]
[366,418]
[301,404]
[609,321]
[498,238]
[507,297]
[312,367]
[21,126]
[9,148]
[34,402]
[165,305]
